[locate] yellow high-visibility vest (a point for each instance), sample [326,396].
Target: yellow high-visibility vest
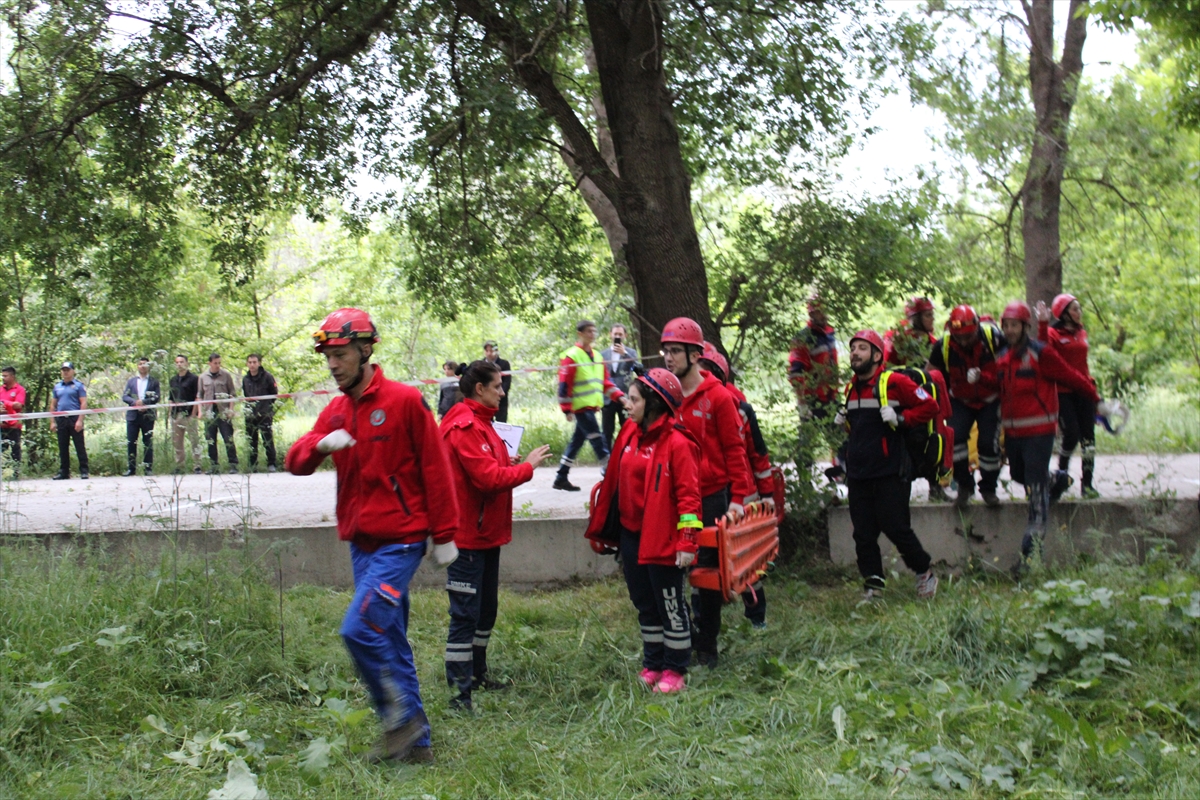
[587,388]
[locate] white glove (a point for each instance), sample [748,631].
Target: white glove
[338,440]
[889,415]
[973,375]
[1104,408]
[769,504]
[444,554]
[840,417]
[684,559]
[736,512]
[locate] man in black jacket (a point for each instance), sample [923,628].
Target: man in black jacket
[185,419]
[140,390]
[491,354]
[260,416]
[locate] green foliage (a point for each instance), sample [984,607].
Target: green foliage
[834,699]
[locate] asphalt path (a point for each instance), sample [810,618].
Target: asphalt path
[280,500]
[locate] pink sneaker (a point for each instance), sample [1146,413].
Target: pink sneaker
[671,681]
[650,677]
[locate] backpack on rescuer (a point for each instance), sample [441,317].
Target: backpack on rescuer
[989,337]
[926,444]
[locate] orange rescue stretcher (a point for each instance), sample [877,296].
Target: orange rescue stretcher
[745,549]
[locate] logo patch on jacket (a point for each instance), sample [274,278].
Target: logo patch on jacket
[921,394]
[377,417]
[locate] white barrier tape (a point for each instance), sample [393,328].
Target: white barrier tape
[256,399]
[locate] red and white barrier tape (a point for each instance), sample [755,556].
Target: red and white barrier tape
[259,398]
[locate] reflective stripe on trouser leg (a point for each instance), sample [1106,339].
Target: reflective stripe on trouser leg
[667,584]
[375,631]
[641,593]
[463,583]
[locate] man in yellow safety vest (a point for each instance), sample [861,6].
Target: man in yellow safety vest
[583,385]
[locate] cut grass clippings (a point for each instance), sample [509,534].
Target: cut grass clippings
[121,679]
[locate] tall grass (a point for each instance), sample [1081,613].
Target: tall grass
[1082,683]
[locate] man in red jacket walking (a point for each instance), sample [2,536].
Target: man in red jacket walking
[878,467]
[1030,374]
[390,464]
[712,418]
[484,479]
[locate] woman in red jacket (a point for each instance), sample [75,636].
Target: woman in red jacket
[649,507]
[1076,412]
[484,479]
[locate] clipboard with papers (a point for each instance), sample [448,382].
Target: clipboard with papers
[511,436]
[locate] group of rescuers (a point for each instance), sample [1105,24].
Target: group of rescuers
[681,461]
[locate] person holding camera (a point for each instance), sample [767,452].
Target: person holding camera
[141,390]
[622,360]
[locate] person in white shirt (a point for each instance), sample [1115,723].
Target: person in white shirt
[141,390]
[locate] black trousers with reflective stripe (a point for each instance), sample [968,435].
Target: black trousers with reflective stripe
[473,582]
[880,505]
[657,593]
[988,418]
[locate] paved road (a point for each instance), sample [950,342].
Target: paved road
[281,500]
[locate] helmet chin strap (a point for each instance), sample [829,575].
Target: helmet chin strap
[362,368]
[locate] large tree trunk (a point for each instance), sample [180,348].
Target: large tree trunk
[648,186]
[655,201]
[1052,87]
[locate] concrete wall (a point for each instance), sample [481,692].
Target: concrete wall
[544,552]
[991,537]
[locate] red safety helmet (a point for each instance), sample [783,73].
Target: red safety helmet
[666,385]
[870,337]
[963,320]
[815,301]
[1017,309]
[918,305]
[345,326]
[682,330]
[1059,306]
[714,356]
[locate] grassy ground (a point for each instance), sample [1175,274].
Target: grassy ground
[151,680]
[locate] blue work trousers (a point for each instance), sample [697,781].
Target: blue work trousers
[376,631]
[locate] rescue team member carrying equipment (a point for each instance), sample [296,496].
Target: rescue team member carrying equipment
[710,414]
[390,465]
[909,346]
[648,506]
[1029,372]
[966,355]
[812,363]
[878,468]
[754,599]
[484,479]
[1076,413]
[583,386]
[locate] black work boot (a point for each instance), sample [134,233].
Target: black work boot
[398,743]
[565,485]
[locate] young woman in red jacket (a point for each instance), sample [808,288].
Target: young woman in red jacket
[649,508]
[484,479]
[1076,411]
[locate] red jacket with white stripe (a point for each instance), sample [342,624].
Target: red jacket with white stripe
[874,449]
[388,481]
[1071,345]
[760,463]
[670,490]
[1030,378]
[813,364]
[714,420]
[484,477]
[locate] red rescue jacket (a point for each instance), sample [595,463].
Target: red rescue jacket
[388,480]
[813,364]
[874,449]
[760,463]
[1071,345]
[484,477]
[671,488]
[954,362]
[713,419]
[1029,378]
